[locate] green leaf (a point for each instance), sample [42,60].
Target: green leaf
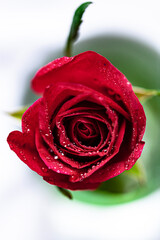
[18,114]
[65,192]
[137,172]
[77,20]
[144,94]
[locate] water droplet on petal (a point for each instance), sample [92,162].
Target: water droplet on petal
[126,166]
[28,130]
[100,98]
[44,169]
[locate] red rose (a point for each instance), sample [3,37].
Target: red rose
[87,127]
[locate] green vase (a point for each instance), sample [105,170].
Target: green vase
[140,64]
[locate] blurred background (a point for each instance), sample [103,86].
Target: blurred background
[33,33]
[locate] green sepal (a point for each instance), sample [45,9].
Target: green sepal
[18,114]
[137,172]
[76,22]
[144,94]
[65,192]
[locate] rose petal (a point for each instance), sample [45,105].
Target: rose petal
[30,121]
[63,182]
[52,161]
[118,165]
[47,70]
[101,164]
[96,72]
[21,145]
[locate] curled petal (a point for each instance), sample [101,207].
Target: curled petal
[118,165]
[51,160]
[103,162]
[63,182]
[21,145]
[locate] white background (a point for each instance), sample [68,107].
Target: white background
[31,209]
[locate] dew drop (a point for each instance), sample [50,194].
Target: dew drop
[44,169]
[55,157]
[22,154]
[100,98]
[126,166]
[28,130]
